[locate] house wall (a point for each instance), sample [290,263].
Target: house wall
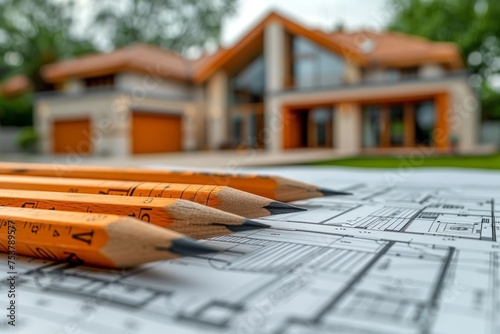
[108,117]
[464,115]
[462,107]
[145,85]
[352,74]
[109,113]
[8,139]
[430,71]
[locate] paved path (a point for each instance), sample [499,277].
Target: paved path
[219,159]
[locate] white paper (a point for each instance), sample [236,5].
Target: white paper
[412,253]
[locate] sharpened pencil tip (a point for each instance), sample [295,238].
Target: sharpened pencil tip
[249,222]
[247,225]
[277,208]
[328,192]
[190,247]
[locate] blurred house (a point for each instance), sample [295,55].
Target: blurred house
[282,86]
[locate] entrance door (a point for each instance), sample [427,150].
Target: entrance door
[312,128]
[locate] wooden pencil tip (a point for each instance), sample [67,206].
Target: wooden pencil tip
[328,192]
[248,225]
[277,208]
[249,222]
[188,247]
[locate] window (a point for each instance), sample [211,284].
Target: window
[100,81]
[409,72]
[314,66]
[371,126]
[246,97]
[425,119]
[397,125]
[248,85]
[322,120]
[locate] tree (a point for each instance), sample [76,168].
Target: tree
[36,33]
[472,24]
[176,25]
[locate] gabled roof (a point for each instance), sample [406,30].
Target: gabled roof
[386,49]
[399,50]
[140,58]
[221,58]
[15,85]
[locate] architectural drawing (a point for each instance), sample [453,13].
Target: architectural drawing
[387,260]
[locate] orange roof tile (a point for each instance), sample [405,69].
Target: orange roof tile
[364,48]
[15,85]
[140,58]
[397,49]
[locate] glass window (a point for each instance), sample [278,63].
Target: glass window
[371,126]
[314,66]
[248,85]
[236,130]
[392,75]
[425,119]
[397,125]
[322,117]
[332,69]
[246,95]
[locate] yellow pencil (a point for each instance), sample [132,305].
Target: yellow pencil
[185,217]
[94,239]
[223,198]
[269,186]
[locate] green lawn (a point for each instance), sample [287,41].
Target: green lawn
[487,162]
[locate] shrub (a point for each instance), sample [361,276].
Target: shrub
[27,139]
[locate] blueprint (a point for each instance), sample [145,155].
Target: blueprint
[415,255]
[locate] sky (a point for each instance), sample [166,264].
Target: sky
[326,14]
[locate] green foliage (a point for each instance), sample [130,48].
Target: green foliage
[16,111]
[27,139]
[486,162]
[175,25]
[36,33]
[472,24]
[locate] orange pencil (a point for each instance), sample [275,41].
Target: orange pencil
[223,198]
[185,217]
[94,239]
[274,187]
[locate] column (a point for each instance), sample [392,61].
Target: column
[274,54]
[348,129]
[217,116]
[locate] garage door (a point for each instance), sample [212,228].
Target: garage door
[156,133]
[72,136]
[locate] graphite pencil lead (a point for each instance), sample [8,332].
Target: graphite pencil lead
[249,222]
[277,208]
[188,247]
[243,228]
[328,192]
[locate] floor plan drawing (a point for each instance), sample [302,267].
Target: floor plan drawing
[408,209]
[398,259]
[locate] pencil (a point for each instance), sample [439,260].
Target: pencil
[222,198]
[273,187]
[94,239]
[185,217]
